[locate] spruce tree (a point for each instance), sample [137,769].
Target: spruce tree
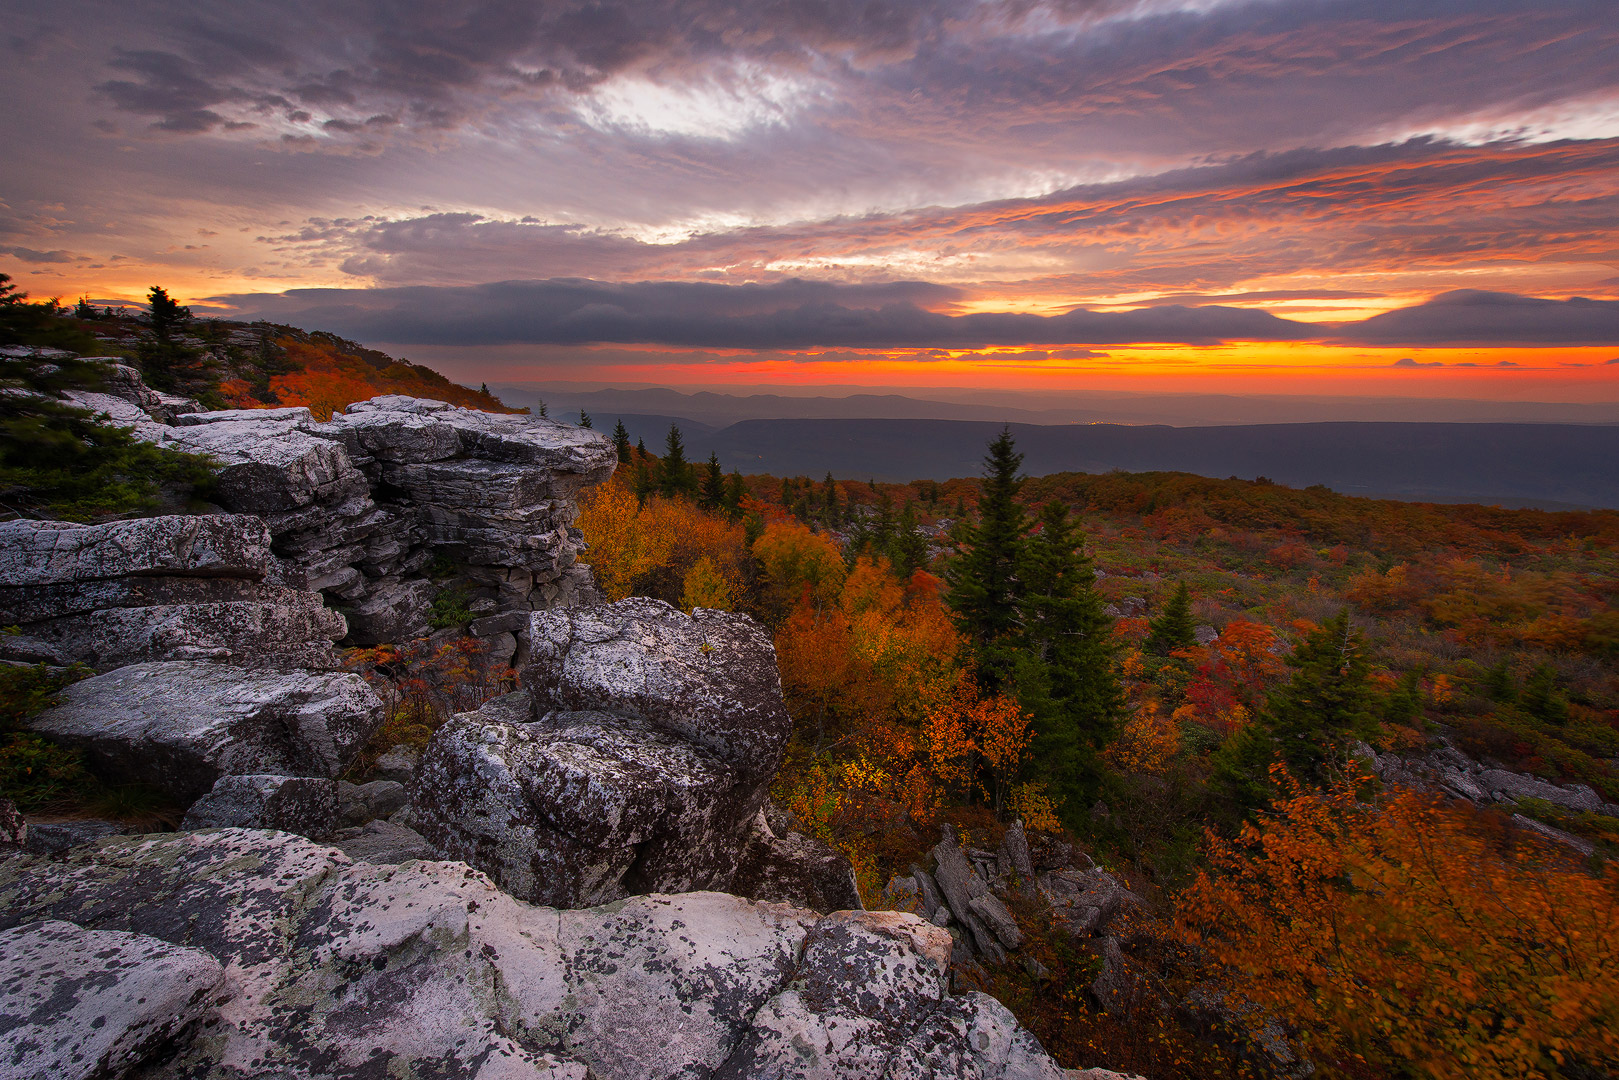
[984,589]
[621,439]
[1066,673]
[1173,628]
[168,364]
[1542,699]
[584,419]
[712,494]
[832,513]
[909,549]
[674,475]
[735,491]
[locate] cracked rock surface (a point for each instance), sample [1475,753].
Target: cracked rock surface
[427,969]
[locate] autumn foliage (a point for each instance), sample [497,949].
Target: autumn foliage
[327,377]
[1407,937]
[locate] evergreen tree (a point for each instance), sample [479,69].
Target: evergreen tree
[735,491]
[1499,683]
[167,363]
[1308,723]
[1065,667]
[1542,699]
[675,475]
[584,419]
[543,409]
[832,513]
[621,439]
[984,589]
[909,549]
[712,494]
[1173,628]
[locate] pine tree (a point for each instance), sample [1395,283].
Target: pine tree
[909,549]
[1173,628]
[621,439]
[167,363]
[1066,671]
[832,513]
[1542,699]
[674,475]
[985,592]
[712,495]
[584,419]
[735,491]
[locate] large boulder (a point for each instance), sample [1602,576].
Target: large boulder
[637,759]
[307,805]
[795,869]
[81,1004]
[426,969]
[579,808]
[181,725]
[708,678]
[36,553]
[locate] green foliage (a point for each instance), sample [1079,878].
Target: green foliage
[674,472]
[449,608]
[166,362]
[1173,628]
[711,496]
[40,325]
[57,461]
[1542,698]
[34,771]
[984,587]
[621,440]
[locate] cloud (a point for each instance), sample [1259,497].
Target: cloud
[29,255]
[1477,317]
[1408,362]
[789,315]
[799,314]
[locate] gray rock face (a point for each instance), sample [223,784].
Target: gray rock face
[426,969]
[306,805]
[360,803]
[709,678]
[637,760]
[1013,859]
[397,764]
[1445,769]
[1086,901]
[969,899]
[795,869]
[181,725]
[164,588]
[86,1004]
[382,842]
[358,507]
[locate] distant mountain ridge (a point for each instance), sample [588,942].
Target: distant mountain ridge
[1552,466]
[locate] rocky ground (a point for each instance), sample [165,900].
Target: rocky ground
[301,925]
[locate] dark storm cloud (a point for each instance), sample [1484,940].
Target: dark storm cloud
[1476,317]
[803,314]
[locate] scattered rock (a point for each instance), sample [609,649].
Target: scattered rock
[961,886]
[181,725]
[305,805]
[1115,986]
[1013,858]
[360,803]
[1557,836]
[397,764]
[80,1004]
[1086,901]
[382,842]
[928,889]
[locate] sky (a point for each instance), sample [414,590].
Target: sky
[1366,197]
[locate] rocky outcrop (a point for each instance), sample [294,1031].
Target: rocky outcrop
[1444,768]
[427,969]
[795,869]
[163,588]
[181,725]
[637,760]
[358,507]
[81,1004]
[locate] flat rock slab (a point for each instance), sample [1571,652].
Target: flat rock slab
[426,969]
[77,1004]
[181,725]
[56,552]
